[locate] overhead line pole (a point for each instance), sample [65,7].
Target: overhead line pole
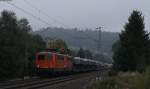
[99,48]
[98,40]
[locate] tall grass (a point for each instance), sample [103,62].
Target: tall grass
[106,84]
[147,78]
[125,80]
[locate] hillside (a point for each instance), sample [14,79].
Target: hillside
[81,38]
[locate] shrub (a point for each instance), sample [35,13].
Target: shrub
[112,73]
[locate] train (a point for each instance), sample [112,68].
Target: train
[49,62]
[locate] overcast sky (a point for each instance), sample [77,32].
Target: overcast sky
[111,14]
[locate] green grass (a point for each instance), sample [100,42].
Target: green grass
[106,84]
[124,80]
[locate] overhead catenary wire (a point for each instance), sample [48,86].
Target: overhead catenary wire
[44,13]
[26,12]
[43,21]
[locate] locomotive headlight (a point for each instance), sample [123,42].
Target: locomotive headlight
[38,66]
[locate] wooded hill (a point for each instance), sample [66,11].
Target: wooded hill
[81,38]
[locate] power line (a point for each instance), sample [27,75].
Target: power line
[44,13]
[26,12]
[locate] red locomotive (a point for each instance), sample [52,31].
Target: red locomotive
[52,62]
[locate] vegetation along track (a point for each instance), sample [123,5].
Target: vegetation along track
[39,83]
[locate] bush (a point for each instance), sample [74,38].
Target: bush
[112,73]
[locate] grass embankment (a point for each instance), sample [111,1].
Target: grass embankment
[125,80]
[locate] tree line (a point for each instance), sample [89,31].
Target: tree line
[17,46]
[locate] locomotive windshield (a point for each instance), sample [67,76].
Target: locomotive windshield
[44,56]
[41,57]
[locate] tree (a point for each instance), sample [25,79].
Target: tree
[36,43]
[81,53]
[88,54]
[10,40]
[17,45]
[132,51]
[24,25]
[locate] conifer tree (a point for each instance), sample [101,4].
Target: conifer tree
[132,50]
[81,53]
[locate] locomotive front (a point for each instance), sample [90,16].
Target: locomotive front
[52,63]
[44,62]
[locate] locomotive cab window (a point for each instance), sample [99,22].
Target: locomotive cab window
[41,57]
[44,56]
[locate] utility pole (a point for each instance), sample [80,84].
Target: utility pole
[99,40]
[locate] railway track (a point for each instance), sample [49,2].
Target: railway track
[39,83]
[20,81]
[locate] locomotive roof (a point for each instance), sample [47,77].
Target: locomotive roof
[44,52]
[47,52]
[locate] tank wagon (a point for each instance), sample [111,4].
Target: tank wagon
[52,62]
